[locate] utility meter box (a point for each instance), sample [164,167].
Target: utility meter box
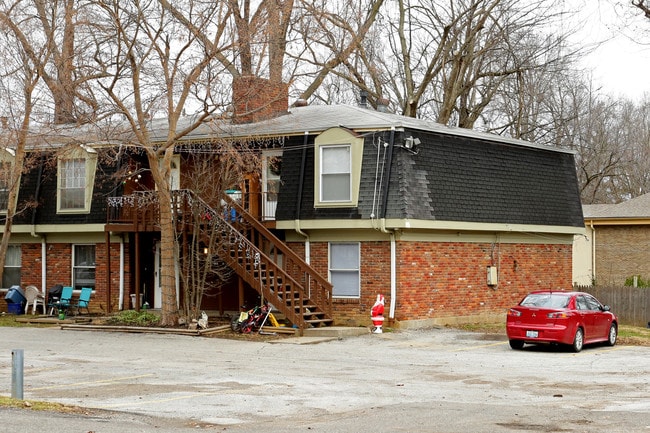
[492,276]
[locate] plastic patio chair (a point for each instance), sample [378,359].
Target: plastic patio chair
[84,299]
[34,297]
[64,302]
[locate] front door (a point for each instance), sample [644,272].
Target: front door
[271,169]
[157,293]
[157,290]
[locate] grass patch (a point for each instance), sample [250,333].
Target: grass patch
[627,335]
[9,321]
[39,405]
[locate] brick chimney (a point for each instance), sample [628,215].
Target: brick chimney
[256,99]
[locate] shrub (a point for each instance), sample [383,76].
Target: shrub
[134,318]
[639,283]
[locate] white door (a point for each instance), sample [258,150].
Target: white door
[271,169]
[157,293]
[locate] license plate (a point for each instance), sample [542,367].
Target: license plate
[531,334]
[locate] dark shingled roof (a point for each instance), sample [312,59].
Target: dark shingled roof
[456,175]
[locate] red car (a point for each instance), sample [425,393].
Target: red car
[572,318]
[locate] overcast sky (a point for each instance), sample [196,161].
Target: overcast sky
[620,65]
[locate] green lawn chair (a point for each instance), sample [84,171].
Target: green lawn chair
[84,299]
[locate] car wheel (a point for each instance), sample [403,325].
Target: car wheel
[613,335]
[578,340]
[517,344]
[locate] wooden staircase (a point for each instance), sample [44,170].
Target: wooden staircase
[266,263]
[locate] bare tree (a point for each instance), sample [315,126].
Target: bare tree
[157,68]
[211,171]
[48,32]
[645,7]
[449,59]
[19,79]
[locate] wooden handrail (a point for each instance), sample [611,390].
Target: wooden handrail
[277,243]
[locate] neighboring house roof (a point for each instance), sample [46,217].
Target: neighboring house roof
[633,211]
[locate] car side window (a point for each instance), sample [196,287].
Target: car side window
[581,303]
[592,303]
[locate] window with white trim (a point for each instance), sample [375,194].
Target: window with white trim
[5,185]
[338,153]
[75,180]
[335,173]
[7,159]
[13,265]
[83,266]
[73,184]
[344,269]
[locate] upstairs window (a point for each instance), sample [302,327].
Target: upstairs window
[6,167]
[73,184]
[5,185]
[335,174]
[76,178]
[338,155]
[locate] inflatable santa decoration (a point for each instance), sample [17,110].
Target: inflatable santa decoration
[377,314]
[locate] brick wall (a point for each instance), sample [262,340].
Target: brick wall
[450,279]
[442,280]
[59,271]
[621,252]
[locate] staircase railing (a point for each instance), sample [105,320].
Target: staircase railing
[319,290]
[291,285]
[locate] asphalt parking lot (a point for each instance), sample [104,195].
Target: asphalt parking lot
[438,380]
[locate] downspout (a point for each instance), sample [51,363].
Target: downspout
[37,194]
[301,181]
[43,265]
[121,302]
[593,252]
[393,247]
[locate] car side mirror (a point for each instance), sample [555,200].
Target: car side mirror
[606,308]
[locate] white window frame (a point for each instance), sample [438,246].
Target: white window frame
[76,267]
[270,184]
[87,157]
[338,138]
[349,269]
[7,159]
[12,263]
[340,171]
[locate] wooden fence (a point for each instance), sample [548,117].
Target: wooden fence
[630,304]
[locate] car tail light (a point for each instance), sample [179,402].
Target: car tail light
[558,315]
[514,313]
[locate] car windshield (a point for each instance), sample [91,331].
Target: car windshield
[546,300]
